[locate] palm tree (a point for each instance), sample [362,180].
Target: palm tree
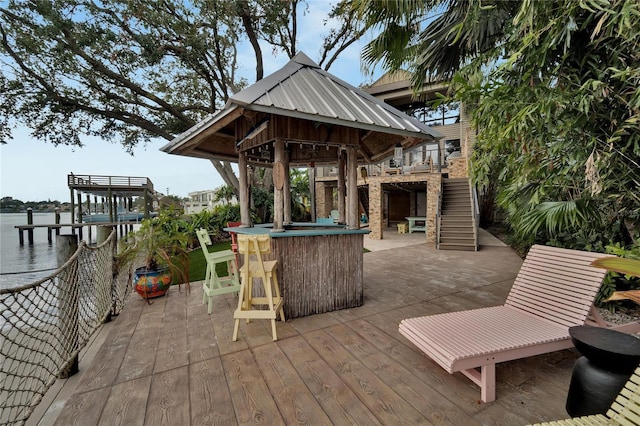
[435,37]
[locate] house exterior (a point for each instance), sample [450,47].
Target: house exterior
[203,200]
[408,182]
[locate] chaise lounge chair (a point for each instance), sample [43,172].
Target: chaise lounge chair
[554,290]
[625,410]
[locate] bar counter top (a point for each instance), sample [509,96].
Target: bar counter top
[298,229]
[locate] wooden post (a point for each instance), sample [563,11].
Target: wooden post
[102,233]
[89,211]
[341,187]
[73,207]
[79,207]
[109,203]
[353,221]
[30,222]
[245,215]
[278,180]
[286,192]
[57,210]
[66,246]
[21,235]
[312,190]
[146,203]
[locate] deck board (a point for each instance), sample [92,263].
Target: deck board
[172,363]
[294,400]
[386,405]
[123,407]
[338,401]
[168,402]
[210,398]
[250,395]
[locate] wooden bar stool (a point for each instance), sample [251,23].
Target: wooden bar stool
[252,247]
[213,284]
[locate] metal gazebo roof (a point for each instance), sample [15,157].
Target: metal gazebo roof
[308,107]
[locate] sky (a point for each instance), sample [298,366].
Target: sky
[32,170]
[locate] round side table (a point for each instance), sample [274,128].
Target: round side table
[609,358]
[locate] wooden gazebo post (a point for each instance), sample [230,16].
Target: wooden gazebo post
[245,215]
[287,189]
[353,221]
[278,183]
[341,187]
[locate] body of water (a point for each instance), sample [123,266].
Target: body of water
[21,265]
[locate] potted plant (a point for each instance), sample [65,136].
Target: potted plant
[160,247]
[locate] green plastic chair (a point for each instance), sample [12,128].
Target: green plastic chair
[214,285]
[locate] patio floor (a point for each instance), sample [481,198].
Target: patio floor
[171,363]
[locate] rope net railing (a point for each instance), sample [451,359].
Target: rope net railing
[45,324]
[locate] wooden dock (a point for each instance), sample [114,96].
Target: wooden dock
[123,227]
[171,363]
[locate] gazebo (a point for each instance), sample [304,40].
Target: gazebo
[301,116]
[298,116]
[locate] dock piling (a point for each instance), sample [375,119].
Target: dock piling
[66,246]
[30,230]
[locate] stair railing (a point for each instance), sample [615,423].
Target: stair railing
[475,213]
[438,214]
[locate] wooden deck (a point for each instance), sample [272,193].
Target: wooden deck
[170,363]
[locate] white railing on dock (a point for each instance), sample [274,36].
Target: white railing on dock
[112,181]
[45,324]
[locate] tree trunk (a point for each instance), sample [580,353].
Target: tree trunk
[227,174]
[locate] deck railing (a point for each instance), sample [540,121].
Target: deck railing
[45,324]
[110,181]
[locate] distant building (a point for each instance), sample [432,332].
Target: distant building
[203,200]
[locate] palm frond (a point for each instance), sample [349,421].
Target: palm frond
[557,216]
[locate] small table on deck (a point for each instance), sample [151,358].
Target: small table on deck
[608,360]
[412,224]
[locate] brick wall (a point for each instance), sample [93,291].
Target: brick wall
[457,167]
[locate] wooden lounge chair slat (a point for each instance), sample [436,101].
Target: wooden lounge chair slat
[553,290]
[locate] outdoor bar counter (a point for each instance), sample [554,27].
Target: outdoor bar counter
[319,266]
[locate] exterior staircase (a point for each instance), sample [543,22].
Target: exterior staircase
[457,228]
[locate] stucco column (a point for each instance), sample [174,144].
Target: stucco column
[433,189]
[375,210]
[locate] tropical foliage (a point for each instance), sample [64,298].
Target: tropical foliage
[554,90]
